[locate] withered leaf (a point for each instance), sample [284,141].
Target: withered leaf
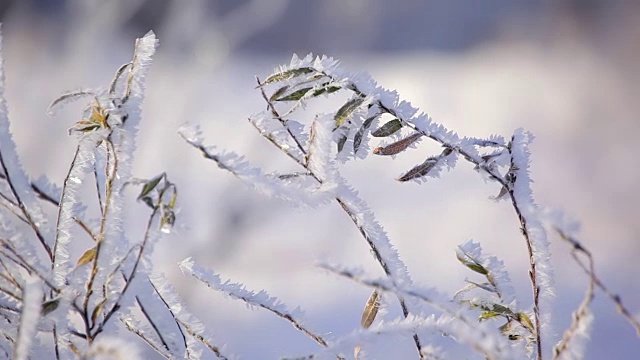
[87,257]
[419,170]
[398,146]
[370,309]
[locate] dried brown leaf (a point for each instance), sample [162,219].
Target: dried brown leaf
[419,170]
[398,146]
[370,309]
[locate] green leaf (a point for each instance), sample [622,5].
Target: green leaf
[341,142]
[347,109]
[388,129]
[286,75]
[96,311]
[147,200]
[502,310]
[150,185]
[49,306]
[296,95]
[488,315]
[357,139]
[525,320]
[174,198]
[484,286]
[327,89]
[278,93]
[471,263]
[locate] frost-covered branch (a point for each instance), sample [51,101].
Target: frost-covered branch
[260,299]
[515,182]
[184,320]
[499,348]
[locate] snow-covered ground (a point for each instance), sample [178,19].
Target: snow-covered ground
[581,106]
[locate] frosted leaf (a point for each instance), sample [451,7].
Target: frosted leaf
[320,150]
[69,97]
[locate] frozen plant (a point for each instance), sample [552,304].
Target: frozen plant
[484,314]
[58,303]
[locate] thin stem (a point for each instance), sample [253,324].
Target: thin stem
[132,274]
[153,325]
[65,195]
[24,210]
[591,273]
[110,151]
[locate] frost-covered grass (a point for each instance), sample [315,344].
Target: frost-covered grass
[87,301]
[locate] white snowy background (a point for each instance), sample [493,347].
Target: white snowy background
[568,71]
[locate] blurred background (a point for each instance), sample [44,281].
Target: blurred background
[567,70]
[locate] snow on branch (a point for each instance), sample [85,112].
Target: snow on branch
[29,318]
[470,254]
[16,178]
[69,204]
[185,321]
[260,299]
[491,347]
[308,193]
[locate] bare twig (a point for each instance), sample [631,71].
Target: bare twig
[589,270]
[153,324]
[24,210]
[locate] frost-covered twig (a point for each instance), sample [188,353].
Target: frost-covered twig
[572,345]
[324,174]
[183,319]
[29,317]
[499,346]
[516,182]
[152,323]
[594,280]
[260,299]
[135,328]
